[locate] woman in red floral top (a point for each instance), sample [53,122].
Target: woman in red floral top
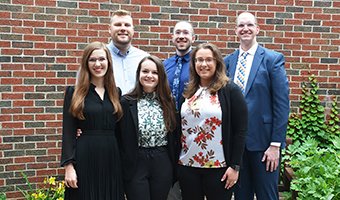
[213,128]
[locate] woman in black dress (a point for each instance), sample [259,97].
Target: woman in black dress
[91,162]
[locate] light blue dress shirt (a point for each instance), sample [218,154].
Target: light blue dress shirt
[125,66]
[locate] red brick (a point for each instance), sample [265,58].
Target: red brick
[321,16]
[25,131]
[198,18]
[183,4]
[10,110]
[34,67]
[44,45]
[150,9]
[56,24]
[160,29]
[47,145]
[22,103]
[45,74]
[5,118]
[23,2]
[14,167]
[36,165]
[23,74]
[45,117]
[12,96]
[33,110]
[24,159]
[31,23]
[34,38]
[99,13]
[51,3]
[207,12]
[54,124]
[47,172]
[57,81]
[54,151]
[12,125]
[88,5]
[66,60]
[6,147]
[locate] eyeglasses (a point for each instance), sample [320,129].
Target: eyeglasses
[208,60]
[93,60]
[248,25]
[184,32]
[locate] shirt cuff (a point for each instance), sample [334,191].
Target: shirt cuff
[275,144]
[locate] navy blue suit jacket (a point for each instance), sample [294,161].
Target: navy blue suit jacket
[267,98]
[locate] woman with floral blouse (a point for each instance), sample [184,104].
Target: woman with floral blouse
[145,134]
[213,129]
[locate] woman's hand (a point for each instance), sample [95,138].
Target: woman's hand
[70,176]
[231,177]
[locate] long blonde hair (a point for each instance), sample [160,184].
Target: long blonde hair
[220,78]
[83,83]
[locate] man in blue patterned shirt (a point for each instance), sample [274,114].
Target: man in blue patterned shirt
[177,70]
[183,37]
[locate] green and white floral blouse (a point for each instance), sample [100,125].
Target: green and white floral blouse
[151,126]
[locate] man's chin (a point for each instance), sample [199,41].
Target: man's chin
[182,49]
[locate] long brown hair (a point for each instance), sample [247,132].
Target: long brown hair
[220,78]
[84,79]
[162,90]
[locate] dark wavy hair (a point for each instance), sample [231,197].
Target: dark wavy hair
[220,78]
[162,91]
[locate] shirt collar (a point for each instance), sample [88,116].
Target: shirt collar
[149,96]
[251,51]
[117,51]
[186,57]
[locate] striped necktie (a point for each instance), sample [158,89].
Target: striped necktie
[241,75]
[177,76]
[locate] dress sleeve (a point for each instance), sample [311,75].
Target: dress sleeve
[69,130]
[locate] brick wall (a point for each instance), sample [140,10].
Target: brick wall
[41,43]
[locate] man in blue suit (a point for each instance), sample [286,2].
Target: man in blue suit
[261,75]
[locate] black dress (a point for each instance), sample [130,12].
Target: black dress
[95,153]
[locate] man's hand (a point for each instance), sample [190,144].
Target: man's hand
[70,176]
[271,156]
[231,177]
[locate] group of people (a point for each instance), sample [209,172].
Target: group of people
[214,128]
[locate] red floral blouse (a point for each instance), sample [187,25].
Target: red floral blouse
[201,138]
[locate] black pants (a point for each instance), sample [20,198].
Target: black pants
[196,183]
[153,177]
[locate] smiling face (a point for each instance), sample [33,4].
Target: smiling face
[121,30]
[98,64]
[205,66]
[246,29]
[183,37]
[148,76]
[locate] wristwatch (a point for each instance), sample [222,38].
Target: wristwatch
[235,167]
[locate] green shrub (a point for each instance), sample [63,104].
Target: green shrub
[315,152]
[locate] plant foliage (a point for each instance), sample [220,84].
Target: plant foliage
[315,152]
[52,190]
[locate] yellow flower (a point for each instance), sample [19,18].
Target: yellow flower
[51,180]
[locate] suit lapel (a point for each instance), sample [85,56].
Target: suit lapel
[258,57]
[134,113]
[233,64]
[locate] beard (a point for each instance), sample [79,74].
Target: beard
[183,49]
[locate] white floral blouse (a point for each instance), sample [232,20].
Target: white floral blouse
[152,130]
[201,139]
